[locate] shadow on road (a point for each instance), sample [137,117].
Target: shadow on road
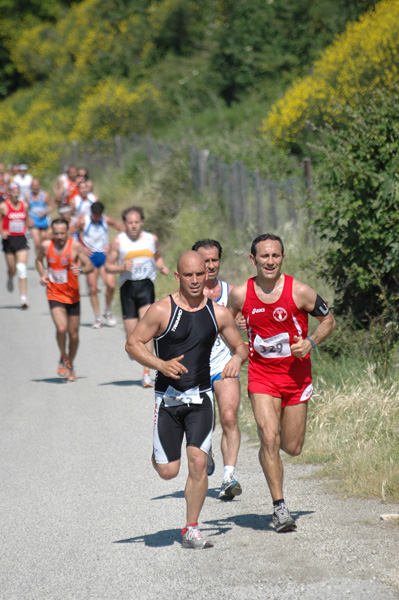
[211,493]
[256,522]
[168,537]
[124,383]
[52,380]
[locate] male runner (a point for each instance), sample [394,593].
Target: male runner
[65,259]
[94,237]
[66,186]
[227,391]
[184,326]
[276,308]
[135,255]
[15,245]
[39,206]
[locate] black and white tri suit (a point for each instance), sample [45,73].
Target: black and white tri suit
[185,405]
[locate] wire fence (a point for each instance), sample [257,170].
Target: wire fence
[247,200]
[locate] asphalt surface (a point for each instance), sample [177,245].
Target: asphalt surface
[84,516]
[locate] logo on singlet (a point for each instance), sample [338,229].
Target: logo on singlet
[179,314]
[280,314]
[64,260]
[257,310]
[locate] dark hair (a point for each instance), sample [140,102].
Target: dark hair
[136,209]
[263,238]
[97,208]
[208,243]
[60,221]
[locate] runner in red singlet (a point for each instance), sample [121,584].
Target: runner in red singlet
[15,245]
[65,259]
[276,308]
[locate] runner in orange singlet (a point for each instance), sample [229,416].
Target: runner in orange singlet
[65,259]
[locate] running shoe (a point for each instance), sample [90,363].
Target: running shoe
[146,381]
[97,323]
[71,375]
[109,319]
[63,367]
[230,488]
[210,463]
[24,304]
[10,284]
[193,538]
[282,519]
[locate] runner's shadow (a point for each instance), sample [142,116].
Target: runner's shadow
[50,380]
[253,521]
[212,493]
[125,383]
[174,495]
[13,307]
[53,380]
[168,537]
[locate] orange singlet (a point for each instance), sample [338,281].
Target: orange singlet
[63,285]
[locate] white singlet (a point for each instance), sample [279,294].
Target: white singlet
[95,235]
[220,354]
[142,253]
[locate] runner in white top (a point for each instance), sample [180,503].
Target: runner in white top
[134,254]
[84,200]
[94,236]
[227,391]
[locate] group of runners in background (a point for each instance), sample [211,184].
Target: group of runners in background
[196,331]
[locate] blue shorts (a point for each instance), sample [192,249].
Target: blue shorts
[98,259]
[217,377]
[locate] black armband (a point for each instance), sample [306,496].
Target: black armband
[320,308]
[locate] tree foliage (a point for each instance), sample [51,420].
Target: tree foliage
[358,209]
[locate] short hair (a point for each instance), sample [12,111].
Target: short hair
[263,238]
[60,221]
[97,208]
[136,209]
[208,243]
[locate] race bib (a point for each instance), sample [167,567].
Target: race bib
[58,276]
[141,269]
[277,346]
[16,226]
[173,397]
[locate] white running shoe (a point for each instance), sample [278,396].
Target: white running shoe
[24,303]
[230,488]
[97,324]
[109,319]
[193,538]
[146,381]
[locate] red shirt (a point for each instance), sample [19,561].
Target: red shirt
[14,223]
[271,330]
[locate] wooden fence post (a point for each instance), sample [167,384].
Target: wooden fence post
[259,208]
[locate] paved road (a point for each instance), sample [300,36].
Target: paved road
[83,515]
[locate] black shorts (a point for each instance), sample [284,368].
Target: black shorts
[171,423]
[134,295]
[73,310]
[14,243]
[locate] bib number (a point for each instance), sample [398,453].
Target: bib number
[277,346]
[58,276]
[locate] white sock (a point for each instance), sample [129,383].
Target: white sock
[228,470]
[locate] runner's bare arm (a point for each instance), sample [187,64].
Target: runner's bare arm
[85,266]
[159,260]
[115,224]
[230,335]
[152,324]
[41,253]
[111,265]
[305,297]
[236,299]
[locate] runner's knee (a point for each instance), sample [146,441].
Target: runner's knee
[21,270]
